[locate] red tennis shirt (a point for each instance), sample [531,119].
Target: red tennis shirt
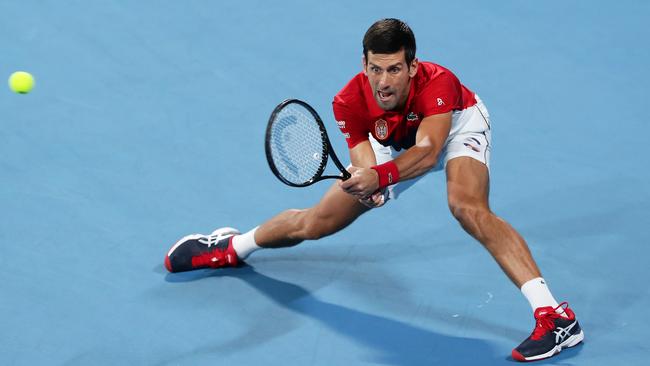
[434,90]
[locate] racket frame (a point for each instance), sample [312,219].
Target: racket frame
[328,151]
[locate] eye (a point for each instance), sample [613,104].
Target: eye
[394,70]
[375,69]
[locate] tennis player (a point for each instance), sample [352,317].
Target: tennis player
[402,118]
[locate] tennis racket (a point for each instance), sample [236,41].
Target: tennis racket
[297,146]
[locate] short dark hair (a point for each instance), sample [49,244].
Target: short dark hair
[389,36]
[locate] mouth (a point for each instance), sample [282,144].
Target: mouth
[384,96]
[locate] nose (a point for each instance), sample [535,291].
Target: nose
[383,81]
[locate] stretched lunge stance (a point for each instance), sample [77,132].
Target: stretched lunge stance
[402,118]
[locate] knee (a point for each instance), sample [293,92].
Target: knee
[467,214]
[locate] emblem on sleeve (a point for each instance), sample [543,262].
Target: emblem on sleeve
[381,129]
[440,102]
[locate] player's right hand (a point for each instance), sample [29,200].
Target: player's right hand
[362,183]
[375,200]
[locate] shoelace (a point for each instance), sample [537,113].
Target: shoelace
[545,320]
[211,240]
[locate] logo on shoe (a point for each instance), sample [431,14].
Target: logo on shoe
[562,333]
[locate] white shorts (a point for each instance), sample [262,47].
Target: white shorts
[469,136]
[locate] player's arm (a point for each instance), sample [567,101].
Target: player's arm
[356,134]
[362,155]
[429,140]
[361,152]
[417,160]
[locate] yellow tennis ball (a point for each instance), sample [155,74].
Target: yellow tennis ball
[21,82]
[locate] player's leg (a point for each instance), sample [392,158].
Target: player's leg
[225,247]
[466,157]
[335,211]
[467,192]
[556,325]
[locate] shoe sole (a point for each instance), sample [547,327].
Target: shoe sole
[572,341]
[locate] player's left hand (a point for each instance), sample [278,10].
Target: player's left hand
[363,183]
[376,199]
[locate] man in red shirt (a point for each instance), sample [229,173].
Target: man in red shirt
[401,119]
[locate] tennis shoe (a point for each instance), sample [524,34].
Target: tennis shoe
[198,251]
[553,332]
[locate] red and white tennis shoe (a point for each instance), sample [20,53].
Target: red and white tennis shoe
[203,251]
[553,332]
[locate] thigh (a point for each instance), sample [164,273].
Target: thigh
[468,182]
[471,136]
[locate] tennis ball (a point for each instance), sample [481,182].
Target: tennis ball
[21,82]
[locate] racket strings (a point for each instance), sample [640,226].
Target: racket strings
[297,144]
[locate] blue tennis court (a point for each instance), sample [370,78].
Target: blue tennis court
[147,123]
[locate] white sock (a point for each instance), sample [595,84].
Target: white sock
[244,244]
[538,294]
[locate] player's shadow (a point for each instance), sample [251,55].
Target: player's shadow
[388,341]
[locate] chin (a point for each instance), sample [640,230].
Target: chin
[387,107]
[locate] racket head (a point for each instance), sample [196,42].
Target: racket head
[296,143]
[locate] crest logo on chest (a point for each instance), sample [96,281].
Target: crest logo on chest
[381,129]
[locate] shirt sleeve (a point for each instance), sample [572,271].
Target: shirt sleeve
[442,94]
[352,126]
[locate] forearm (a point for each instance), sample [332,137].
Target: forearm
[419,159]
[362,155]
[416,161]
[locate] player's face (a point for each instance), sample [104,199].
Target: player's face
[390,78]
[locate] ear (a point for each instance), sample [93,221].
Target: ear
[413,68]
[363,65]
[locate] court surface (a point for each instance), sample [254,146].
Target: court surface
[147,123]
